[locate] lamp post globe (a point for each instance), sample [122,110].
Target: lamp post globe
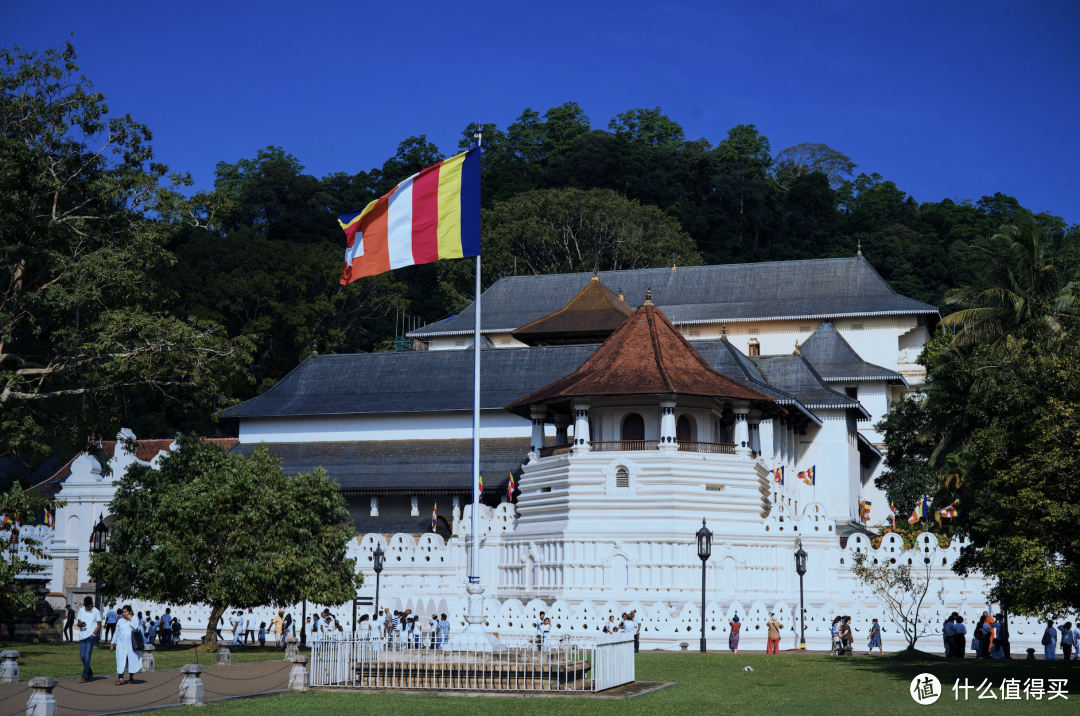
[800,567]
[377,565]
[704,551]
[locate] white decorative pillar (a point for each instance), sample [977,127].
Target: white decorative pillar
[457,508]
[414,506]
[538,413]
[562,422]
[753,420]
[374,506]
[742,432]
[668,438]
[581,426]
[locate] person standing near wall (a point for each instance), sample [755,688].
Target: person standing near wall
[959,638]
[774,626]
[635,627]
[69,623]
[733,637]
[1049,641]
[166,626]
[89,622]
[110,621]
[277,625]
[875,639]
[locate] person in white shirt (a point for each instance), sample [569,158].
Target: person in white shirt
[237,628]
[110,621]
[126,657]
[88,620]
[635,628]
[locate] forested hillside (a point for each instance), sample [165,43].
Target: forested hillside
[130,303]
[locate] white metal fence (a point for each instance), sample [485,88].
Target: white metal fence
[553,663]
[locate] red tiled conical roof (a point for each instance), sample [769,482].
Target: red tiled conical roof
[645,356]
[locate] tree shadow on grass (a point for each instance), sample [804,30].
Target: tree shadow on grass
[903,666]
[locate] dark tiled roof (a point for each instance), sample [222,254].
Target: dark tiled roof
[411,381]
[590,317]
[793,374]
[390,467]
[646,356]
[821,288]
[729,360]
[391,525]
[835,359]
[145,450]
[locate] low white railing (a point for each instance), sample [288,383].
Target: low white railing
[551,663]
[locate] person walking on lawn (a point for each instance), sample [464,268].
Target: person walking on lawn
[846,637]
[110,621]
[277,625]
[249,622]
[128,658]
[773,646]
[88,620]
[875,639]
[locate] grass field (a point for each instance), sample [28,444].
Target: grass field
[716,684]
[62,660]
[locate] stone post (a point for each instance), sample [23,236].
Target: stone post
[581,426]
[538,413]
[42,702]
[291,648]
[742,433]
[667,425]
[9,670]
[148,662]
[224,657]
[191,686]
[298,675]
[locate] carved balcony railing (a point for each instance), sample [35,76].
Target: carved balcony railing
[622,445]
[717,448]
[555,450]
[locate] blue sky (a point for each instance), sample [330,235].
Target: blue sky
[947,99]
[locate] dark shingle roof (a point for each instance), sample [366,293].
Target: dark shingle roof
[388,467]
[835,359]
[411,381]
[729,360]
[793,374]
[821,288]
[392,525]
[590,317]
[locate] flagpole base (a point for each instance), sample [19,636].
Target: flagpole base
[475,637]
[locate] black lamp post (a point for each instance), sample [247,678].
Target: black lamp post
[377,557]
[800,567]
[99,539]
[704,551]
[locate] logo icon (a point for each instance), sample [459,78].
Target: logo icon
[925,689]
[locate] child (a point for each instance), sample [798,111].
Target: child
[262,634]
[175,630]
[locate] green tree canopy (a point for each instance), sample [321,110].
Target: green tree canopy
[219,529]
[86,216]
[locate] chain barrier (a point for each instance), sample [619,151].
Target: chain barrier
[251,678]
[87,693]
[23,691]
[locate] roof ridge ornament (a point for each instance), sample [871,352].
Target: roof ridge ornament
[595,277]
[858,249]
[796,348]
[723,331]
[648,296]
[621,296]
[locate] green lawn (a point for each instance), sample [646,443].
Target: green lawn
[717,684]
[62,660]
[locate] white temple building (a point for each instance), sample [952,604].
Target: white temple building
[627,406]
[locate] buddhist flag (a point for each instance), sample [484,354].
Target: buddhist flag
[432,215]
[510,489]
[864,510]
[778,474]
[891,519]
[434,517]
[811,476]
[922,509]
[481,480]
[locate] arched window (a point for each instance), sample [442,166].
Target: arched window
[622,477]
[686,429]
[633,427]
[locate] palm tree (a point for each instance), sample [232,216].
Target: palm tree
[1015,286]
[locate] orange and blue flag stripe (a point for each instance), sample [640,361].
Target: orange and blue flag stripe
[432,215]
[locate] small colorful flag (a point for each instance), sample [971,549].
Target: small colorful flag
[921,510]
[778,474]
[434,517]
[510,489]
[811,475]
[864,510]
[481,479]
[891,519]
[950,510]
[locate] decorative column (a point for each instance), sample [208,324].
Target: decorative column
[667,425]
[581,426]
[298,675]
[457,508]
[42,702]
[414,506]
[538,413]
[562,422]
[374,506]
[191,687]
[9,670]
[742,432]
[753,421]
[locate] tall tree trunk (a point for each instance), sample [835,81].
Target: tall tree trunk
[216,610]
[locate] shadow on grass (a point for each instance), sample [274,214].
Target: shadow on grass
[905,665]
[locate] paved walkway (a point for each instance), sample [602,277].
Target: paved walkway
[162,688]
